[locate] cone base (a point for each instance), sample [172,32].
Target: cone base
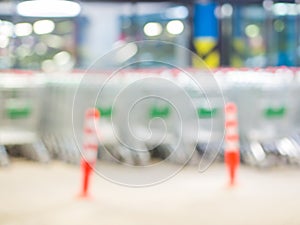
[84,196]
[232,161]
[87,171]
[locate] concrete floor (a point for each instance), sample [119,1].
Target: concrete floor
[35,194]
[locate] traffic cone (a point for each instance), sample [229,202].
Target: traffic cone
[90,148]
[232,148]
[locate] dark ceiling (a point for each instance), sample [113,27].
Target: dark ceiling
[191,1]
[179,1]
[237,2]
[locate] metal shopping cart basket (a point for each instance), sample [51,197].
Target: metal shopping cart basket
[57,132]
[20,110]
[263,100]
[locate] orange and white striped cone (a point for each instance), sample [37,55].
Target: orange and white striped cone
[90,147]
[232,145]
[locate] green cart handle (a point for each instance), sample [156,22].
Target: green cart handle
[278,112]
[162,112]
[105,112]
[207,113]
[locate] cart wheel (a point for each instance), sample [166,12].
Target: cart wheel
[126,155]
[177,156]
[42,154]
[4,160]
[72,153]
[75,152]
[109,153]
[142,158]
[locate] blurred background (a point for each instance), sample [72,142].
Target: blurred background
[235,33]
[57,58]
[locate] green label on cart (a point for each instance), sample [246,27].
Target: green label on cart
[207,113]
[274,112]
[18,112]
[162,112]
[105,112]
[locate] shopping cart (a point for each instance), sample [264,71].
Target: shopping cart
[263,99]
[105,93]
[295,111]
[268,118]
[20,113]
[57,121]
[210,111]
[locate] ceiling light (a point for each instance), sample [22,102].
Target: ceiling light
[23,29]
[252,30]
[179,12]
[4,41]
[43,26]
[48,8]
[152,29]
[175,27]
[280,9]
[6,28]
